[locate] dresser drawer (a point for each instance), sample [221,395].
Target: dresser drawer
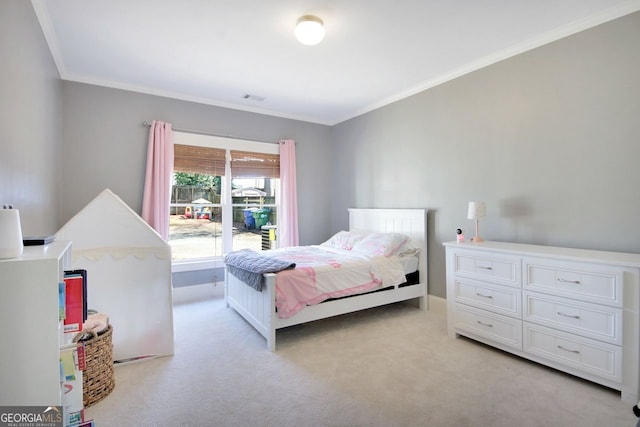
[494,327]
[590,320]
[488,266]
[499,299]
[590,356]
[586,282]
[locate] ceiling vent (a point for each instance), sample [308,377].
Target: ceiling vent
[250,97]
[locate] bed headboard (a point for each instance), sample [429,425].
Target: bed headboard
[412,222]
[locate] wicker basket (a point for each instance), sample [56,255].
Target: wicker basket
[98,379]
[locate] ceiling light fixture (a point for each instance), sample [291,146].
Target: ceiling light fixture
[309,30]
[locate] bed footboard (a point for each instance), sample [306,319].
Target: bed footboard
[256,307]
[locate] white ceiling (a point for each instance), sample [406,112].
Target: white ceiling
[375,51]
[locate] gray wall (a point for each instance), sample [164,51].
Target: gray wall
[105,147]
[550,139]
[197,277]
[30,114]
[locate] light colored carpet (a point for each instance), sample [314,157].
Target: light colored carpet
[389,366]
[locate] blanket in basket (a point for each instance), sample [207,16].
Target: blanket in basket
[249,266]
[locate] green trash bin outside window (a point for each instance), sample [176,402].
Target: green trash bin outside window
[261,217]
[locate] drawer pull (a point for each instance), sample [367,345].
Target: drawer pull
[567,315]
[485,268]
[576,282]
[570,351]
[484,296]
[485,324]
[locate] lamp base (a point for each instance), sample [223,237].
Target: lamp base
[477,238]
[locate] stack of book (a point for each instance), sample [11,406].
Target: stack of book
[73,313]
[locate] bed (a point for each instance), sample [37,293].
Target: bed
[259,307]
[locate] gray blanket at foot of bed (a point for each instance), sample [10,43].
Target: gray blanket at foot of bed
[249,266]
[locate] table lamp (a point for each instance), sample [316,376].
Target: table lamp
[477,211]
[11,245]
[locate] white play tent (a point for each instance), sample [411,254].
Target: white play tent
[128,275]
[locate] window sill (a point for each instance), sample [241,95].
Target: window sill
[194,265]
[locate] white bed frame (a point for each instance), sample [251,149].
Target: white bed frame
[259,308]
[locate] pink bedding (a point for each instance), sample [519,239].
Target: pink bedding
[324,272]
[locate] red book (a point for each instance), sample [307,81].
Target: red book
[74,303]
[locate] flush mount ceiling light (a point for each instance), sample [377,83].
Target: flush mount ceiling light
[309,30]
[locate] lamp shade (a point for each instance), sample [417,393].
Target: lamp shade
[11,245]
[477,210]
[309,30]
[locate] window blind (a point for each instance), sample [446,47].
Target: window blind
[200,160]
[248,164]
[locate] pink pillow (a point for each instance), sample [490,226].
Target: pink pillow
[380,244]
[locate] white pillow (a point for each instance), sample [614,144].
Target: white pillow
[408,251]
[344,239]
[381,244]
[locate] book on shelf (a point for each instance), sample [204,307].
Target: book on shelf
[71,365]
[62,301]
[75,302]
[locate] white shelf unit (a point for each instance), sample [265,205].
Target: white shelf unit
[30,328]
[572,309]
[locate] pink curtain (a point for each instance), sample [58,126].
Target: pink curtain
[157,185]
[288,215]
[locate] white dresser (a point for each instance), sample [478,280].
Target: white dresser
[574,310]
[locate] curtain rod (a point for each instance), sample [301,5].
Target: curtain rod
[147,124]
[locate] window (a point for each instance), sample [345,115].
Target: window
[224,196]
